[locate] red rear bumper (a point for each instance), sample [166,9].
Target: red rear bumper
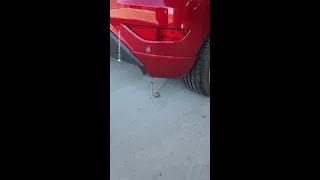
[158,64]
[154,65]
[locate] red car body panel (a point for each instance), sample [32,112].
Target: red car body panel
[166,59]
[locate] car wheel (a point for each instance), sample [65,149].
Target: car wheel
[198,78]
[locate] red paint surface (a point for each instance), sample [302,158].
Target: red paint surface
[166,59]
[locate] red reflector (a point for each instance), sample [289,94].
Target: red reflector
[165,35]
[157,34]
[145,32]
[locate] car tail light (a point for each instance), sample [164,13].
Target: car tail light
[158,34]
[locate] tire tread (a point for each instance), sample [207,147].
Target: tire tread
[193,80]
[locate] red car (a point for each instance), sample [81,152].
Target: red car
[164,38]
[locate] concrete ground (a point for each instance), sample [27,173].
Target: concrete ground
[156,138]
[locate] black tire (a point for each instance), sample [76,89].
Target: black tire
[198,78]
